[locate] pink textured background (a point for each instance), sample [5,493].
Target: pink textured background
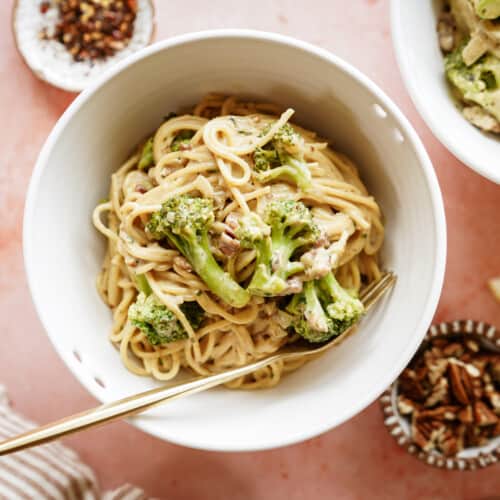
[355,461]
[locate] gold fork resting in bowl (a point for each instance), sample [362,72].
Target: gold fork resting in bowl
[138,403]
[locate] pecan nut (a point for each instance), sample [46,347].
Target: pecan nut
[460,382]
[449,392]
[483,415]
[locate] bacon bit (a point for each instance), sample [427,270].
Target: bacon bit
[140,188]
[130,261]
[229,231]
[232,221]
[294,286]
[182,264]
[447,32]
[322,241]
[227,245]
[316,263]
[184,147]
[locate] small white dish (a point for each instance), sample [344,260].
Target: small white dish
[51,62]
[63,251]
[421,63]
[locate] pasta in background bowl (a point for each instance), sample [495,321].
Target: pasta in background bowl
[414,25]
[101,129]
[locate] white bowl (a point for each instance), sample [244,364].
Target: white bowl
[421,63]
[63,252]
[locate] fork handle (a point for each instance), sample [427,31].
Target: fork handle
[125,407]
[138,403]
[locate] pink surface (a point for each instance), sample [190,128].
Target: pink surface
[355,461]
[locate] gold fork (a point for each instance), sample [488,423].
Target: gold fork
[138,403]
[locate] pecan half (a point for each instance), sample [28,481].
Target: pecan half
[411,387]
[454,349]
[406,406]
[420,436]
[465,415]
[437,367]
[494,399]
[449,444]
[460,383]
[495,370]
[483,415]
[441,413]
[472,345]
[496,430]
[439,393]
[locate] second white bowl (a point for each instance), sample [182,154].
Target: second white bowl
[421,63]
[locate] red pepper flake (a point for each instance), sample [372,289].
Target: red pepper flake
[44,7]
[93,29]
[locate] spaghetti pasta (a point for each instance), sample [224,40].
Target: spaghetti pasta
[215,160]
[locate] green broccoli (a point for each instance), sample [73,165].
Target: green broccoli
[251,230]
[323,309]
[287,227]
[477,83]
[183,138]
[281,158]
[487,9]
[193,312]
[184,221]
[146,160]
[159,324]
[142,284]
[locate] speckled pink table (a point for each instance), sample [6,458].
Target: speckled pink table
[358,460]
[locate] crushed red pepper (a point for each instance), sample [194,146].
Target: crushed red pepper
[92,29]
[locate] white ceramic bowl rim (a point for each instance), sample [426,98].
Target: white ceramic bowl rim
[429,174]
[433,119]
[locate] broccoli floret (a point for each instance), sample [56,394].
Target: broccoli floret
[287,227]
[487,9]
[184,221]
[251,230]
[182,138]
[310,320]
[265,159]
[194,313]
[158,323]
[323,309]
[477,83]
[281,158]
[146,160]
[142,284]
